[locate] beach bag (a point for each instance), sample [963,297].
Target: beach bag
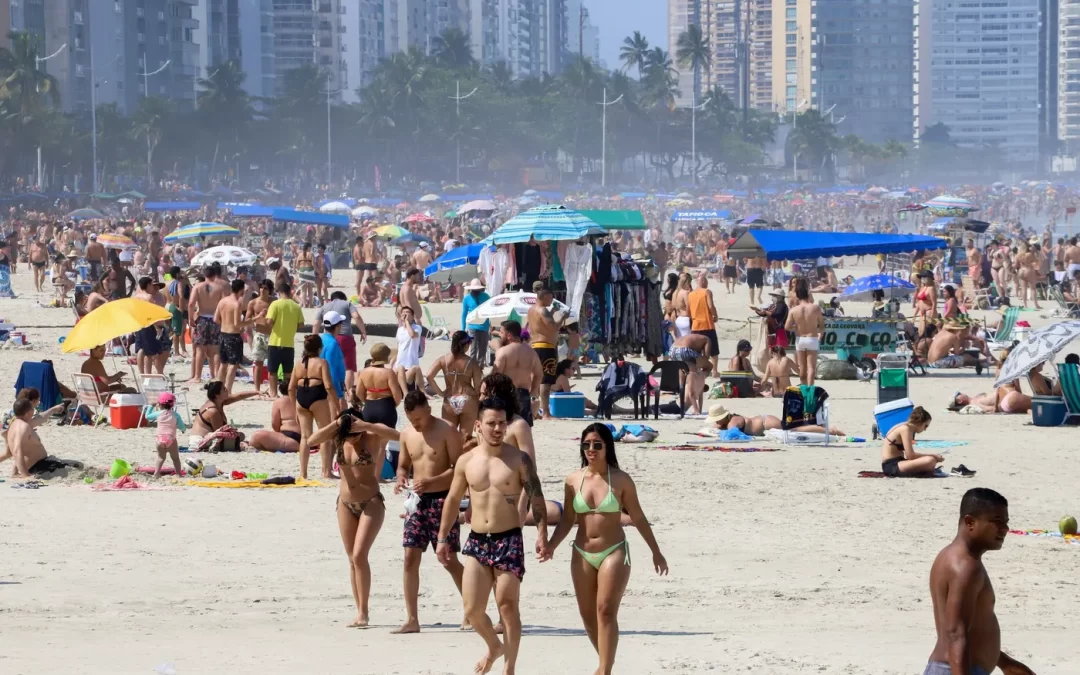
[761,354]
[636,433]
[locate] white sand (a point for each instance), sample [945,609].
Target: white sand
[780,562]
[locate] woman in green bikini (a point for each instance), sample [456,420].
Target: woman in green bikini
[600,564]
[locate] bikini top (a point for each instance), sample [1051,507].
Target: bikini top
[609,504]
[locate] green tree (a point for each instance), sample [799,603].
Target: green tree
[225,108]
[151,119]
[453,49]
[692,51]
[633,52]
[813,140]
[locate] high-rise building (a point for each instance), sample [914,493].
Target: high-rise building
[740,39]
[294,37]
[529,35]
[977,72]
[760,50]
[681,15]
[792,59]
[255,19]
[67,31]
[582,37]
[23,16]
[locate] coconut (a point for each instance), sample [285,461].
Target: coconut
[1067,525]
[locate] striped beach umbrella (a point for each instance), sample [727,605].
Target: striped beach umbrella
[545,223]
[196,230]
[949,205]
[390,232]
[110,240]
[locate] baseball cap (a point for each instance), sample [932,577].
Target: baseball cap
[165,398]
[332,318]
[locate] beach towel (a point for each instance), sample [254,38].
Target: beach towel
[938,445]
[127,484]
[300,483]
[1067,538]
[878,474]
[971,410]
[715,448]
[636,433]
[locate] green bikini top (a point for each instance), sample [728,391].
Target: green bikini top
[609,504]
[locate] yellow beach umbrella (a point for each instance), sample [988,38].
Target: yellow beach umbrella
[112,320]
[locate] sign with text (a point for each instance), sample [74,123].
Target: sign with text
[871,335]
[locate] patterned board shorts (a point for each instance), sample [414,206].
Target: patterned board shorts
[206,333]
[422,526]
[503,551]
[260,346]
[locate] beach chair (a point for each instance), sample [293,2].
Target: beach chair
[152,386]
[1002,337]
[1069,376]
[41,376]
[671,381]
[621,379]
[87,394]
[1070,309]
[978,298]
[435,321]
[795,415]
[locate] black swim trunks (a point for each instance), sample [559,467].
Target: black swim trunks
[714,344]
[232,348]
[891,467]
[148,341]
[422,526]
[549,359]
[755,278]
[282,357]
[50,464]
[503,551]
[525,405]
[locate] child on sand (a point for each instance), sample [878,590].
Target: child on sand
[168,422]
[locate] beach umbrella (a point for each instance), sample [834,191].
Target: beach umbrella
[450,214]
[334,207]
[431,198]
[390,232]
[529,193]
[476,205]
[85,214]
[500,307]
[863,289]
[418,218]
[680,202]
[456,265]
[196,230]
[1039,347]
[112,320]
[110,240]
[684,195]
[545,223]
[411,238]
[949,205]
[364,212]
[526,201]
[226,255]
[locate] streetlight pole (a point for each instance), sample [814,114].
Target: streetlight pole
[146,75]
[37,62]
[458,98]
[693,131]
[603,137]
[794,129]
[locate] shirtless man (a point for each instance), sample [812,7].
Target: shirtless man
[155,252]
[358,264]
[968,634]
[260,336]
[522,365]
[23,444]
[95,256]
[370,295]
[420,259]
[96,298]
[948,349]
[430,449]
[494,473]
[205,333]
[322,273]
[808,322]
[1072,257]
[154,341]
[229,316]
[755,277]
[39,260]
[778,371]
[696,351]
[116,277]
[370,255]
[974,261]
[543,338]
[408,295]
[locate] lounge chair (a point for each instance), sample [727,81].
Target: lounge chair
[1070,309]
[979,298]
[671,381]
[621,381]
[1002,337]
[87,394]
[41,376]
[1069,376]
[153,385]
[794,415]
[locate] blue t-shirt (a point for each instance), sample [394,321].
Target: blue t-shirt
[335,359]
[469,304]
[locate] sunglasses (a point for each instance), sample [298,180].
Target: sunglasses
[592,445]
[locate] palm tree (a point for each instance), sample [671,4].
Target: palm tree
[813,139]
[149,123]
[501,77]
[224,105]
[21,81]
[659,85]
[692,51]
[633,52]
[453,49]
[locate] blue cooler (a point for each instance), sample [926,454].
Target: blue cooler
[567,405]
[1048,411]
[888,415]
[389,469]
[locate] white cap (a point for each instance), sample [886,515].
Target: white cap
[423,244]
[332,318]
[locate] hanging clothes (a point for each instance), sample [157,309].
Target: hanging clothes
[556,262]
[530,264]
[576,264]
[493,264]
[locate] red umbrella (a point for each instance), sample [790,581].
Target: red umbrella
[419,218]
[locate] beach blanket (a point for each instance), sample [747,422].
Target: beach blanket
[715,448]
[971,410]
[127,484]
[1068,538]
[938,445]
[878,474]
[300,483]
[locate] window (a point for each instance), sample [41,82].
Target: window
[792,90]
[791,12]
[790,51]
[789,65]
[792,26]
[790,78]
[789,39]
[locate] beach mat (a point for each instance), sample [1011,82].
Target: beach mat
[939,445]
[129,484]
[714,448]
[300,483]
[878,474]
[1048,534]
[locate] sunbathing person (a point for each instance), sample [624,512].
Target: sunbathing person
[107,384]
[24,445]
[778,372]
[952,347]
[721,418]
[898,456]
[284,432]
[1007,399]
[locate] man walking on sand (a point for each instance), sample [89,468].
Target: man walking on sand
[703,318]
[968,634]
[806,319]
[205,334]
[543,338]
[260,335]
[430,449]
[494,473]
[520,363]
[231,342]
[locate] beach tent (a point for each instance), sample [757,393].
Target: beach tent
[311,218]
[616,220]
[788,245]
[252,211]
[172,206]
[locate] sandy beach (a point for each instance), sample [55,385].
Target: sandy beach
[781,562]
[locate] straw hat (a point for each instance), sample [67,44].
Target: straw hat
[777,293]
[718,413]
[380,354]
[475,285]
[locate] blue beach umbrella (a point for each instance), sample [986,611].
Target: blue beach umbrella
[863,289]
[545,223]
[456,265]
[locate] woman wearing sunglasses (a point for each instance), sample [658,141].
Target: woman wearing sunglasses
[596,496]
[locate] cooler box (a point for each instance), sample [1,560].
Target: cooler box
[888,415]
[567,405]
[1048,411]
[125,410]
[742,384]
[892,385]
[389,469]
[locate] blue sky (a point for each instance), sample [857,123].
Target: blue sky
[620,18]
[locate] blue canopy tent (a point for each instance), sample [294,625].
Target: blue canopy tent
[347,201]
[456,265]
[699,216]
[172,206]
[311,218]
[788,245]
[551,222]
[252,211]
[222,206]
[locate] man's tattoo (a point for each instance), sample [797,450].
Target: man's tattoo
[534,490]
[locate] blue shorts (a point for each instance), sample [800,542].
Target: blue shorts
[939,668]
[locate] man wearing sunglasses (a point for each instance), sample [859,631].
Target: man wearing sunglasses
[494,473]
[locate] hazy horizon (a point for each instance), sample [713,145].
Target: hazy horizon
[617,19]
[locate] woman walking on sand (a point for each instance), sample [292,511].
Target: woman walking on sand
[600,563]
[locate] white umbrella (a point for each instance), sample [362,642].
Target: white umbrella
[335,207]
[430,198]
[477,205]
[364,212]
[226,255]
[501,306]
[1039,347]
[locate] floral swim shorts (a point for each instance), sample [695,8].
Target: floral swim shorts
[422,526]
[503,551]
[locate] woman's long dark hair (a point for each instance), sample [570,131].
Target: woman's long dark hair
[458,342]
[214,389]
[672,285]
[609,444]
[312,347]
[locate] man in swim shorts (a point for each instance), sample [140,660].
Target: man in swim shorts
[968,633]
[695,350]
[430,449]
[495,550]
[522,365]
[543,338]
[806,319]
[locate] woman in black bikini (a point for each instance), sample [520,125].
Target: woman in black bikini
[211,416]
[360,505]
[315,402]
[378,391]
[460,404]
[284,433]
[898,456]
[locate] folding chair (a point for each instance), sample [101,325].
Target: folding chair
[435,321]
[153,385]
[794,415]
[979,297]
[671,381]
[1002,337]
[1071,309]
[1069,376]
[87,394]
